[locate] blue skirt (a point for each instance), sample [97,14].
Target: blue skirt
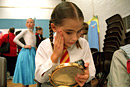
[25,67]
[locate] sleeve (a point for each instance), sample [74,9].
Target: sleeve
[43,63]
[89,59]
[118,76]
[17,38]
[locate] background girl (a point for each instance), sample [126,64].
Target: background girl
[25,66]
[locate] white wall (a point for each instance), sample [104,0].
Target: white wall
[24,13]
[102,8]
[23,9]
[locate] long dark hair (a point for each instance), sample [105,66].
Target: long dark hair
[62,11]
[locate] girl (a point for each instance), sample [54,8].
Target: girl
[39,39]
[25,66]
[67,21]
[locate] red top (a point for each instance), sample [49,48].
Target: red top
[13,46]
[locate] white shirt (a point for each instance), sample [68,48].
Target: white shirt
[44,64]
[30,38]
[118,75]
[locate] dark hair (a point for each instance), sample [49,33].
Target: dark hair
[38,28]
[62,11]
[12,30]
[85,26]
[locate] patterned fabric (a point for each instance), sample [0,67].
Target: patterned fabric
[65,58]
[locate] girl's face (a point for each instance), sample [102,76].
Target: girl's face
[71,30]
[41,31]
[30,23]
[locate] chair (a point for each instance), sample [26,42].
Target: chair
[98,61]
[127,40]
[113,43]
[38,83]
[93,50]
[113,38]
[114,18]
[110,48]
[116,23]
[121,34]
[106,67]
[121,27]
[114,29]
[109,41]
[114,33]
[127,34]
[3,68]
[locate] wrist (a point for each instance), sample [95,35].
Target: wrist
[24,46]
[54,58]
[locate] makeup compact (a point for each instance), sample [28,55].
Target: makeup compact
[65,73]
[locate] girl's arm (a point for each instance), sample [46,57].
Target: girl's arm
[16,39]
[43,63]
[89,59]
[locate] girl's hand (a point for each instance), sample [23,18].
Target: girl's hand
[27,46]
[81,79]
[58,46]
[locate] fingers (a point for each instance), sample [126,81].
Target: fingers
[59,39]
[81,84]
[59,43]
[62,38]
[86,65]
[27,46]
[82,78]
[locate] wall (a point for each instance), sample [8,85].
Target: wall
[23,9]
[41,9]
